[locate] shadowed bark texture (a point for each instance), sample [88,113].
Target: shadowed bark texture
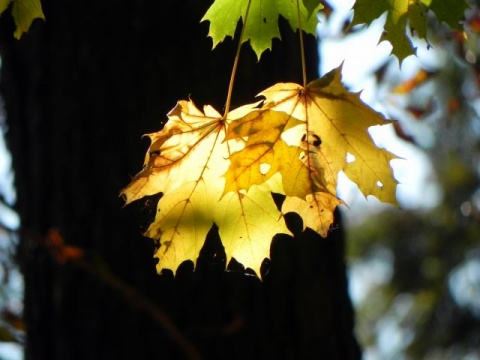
[80,90]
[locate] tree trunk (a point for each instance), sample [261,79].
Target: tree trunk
[80,90]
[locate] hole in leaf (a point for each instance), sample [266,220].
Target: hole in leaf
[379,184]
[312,139]
[264,168]
[316,141]
[349,158]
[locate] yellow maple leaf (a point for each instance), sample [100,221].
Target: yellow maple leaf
[309,134]
[185,162]
[307,181]
[264,153]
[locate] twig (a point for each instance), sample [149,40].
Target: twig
[63,253]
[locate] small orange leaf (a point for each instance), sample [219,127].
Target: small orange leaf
[419,112]
[474,23]
[420,77]
[61,252]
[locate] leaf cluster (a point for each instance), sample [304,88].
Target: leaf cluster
[294,141]
[408,16]
[223,170]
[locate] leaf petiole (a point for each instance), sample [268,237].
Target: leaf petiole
[235,63]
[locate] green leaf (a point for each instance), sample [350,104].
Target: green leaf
[312,6]
[395,31]
[23,12]
[261,26]
[366,11]
[403,15]
[418,19]
[451,12]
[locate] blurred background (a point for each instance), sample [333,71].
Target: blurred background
[11,280]
[414,271]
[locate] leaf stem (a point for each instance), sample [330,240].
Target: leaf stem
[235,63]
[302,48]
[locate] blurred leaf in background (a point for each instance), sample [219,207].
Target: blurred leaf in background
[415,273]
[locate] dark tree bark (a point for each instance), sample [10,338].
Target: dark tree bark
[80,89]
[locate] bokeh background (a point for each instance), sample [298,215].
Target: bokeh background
[414,271]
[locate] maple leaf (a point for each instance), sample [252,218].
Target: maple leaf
[407,14]
[265,154]
[395,25]
[261,25]
[451,12]
[23,12]
[306,178]
[186,162]
[312,130]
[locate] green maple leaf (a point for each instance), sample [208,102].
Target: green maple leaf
[407,15]
[23,12]
[261,26]
[450,11]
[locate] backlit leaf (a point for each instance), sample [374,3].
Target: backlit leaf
[261,26]
[403,16]
[215,171]
[186,162]
[314,132]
